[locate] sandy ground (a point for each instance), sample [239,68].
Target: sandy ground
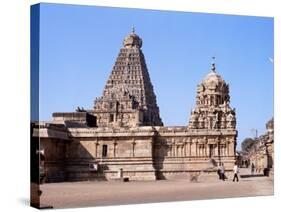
[84,194]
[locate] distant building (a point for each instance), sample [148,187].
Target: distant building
[123,135]
[261,153]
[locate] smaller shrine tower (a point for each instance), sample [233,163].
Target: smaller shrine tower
[212,110]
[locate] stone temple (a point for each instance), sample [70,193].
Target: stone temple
[123,134]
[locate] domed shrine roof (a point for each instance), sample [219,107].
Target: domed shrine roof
[132,40]
[213,77]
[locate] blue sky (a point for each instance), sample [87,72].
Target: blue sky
[79,45]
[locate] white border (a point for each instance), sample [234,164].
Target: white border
[14,107]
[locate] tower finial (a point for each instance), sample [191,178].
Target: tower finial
[213,64]
[133,29]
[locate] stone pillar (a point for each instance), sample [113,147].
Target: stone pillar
[133,147]
[97,144]
[222,149]
[169,150]
[114,148]
[227,148]
[217,153]
[180,150]
[137,118]
[192,148]
[150,146]
[196,149]
[189,151]
[231,151]
[216,150]
[173,148]
[185,148]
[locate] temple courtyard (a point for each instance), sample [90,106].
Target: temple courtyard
[93,193]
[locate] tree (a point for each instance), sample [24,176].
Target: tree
[247,143]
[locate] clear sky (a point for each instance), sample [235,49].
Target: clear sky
[79,45]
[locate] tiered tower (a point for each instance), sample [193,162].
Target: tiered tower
[212,110]
[128,98]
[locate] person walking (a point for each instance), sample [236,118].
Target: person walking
[222,172]
[252,169]
[219,171]
[235,171]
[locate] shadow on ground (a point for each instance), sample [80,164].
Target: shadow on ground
[251,175]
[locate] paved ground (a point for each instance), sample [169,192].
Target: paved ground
[83,194]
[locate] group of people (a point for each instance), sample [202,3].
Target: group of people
[221,171]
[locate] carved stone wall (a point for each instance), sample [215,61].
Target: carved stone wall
[144,153]
[128,98]
[212,110]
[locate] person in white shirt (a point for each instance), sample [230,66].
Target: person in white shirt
[235,171]
[222,172]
